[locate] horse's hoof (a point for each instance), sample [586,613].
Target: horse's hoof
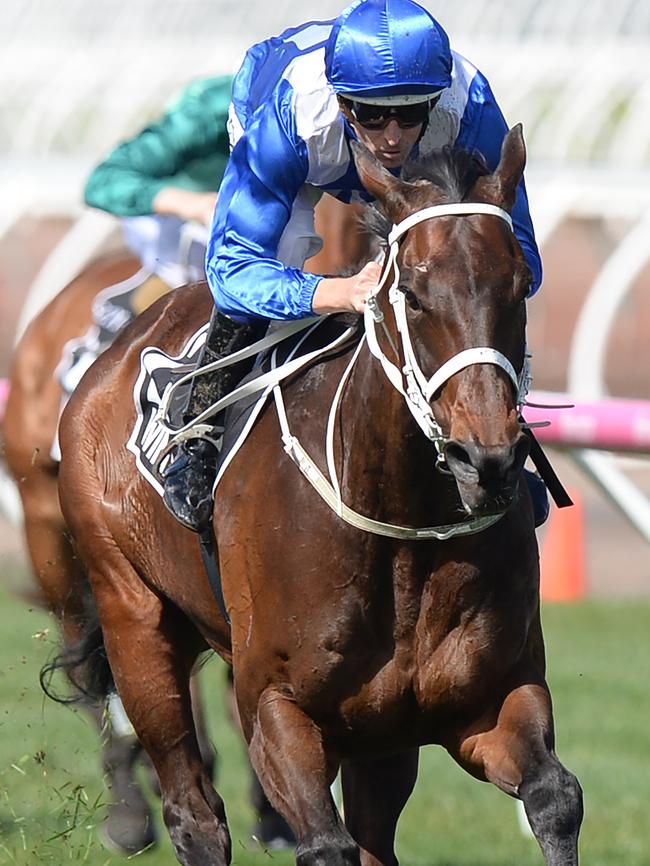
[329,850]
[126,831]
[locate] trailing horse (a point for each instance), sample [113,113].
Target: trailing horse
[407,612]
[29,430]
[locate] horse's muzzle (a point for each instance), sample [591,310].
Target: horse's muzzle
[487,477]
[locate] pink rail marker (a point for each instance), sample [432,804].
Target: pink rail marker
[609,424]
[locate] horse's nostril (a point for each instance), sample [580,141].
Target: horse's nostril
[461,463]
[456,452]
[493,467]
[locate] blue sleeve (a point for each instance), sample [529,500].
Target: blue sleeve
[267,168]
[483,128]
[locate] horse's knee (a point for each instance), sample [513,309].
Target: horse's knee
[326,849]
[553,801]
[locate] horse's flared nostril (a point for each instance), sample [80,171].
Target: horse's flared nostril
[459,460]
[491,467]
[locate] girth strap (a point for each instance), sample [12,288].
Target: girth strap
[209,557]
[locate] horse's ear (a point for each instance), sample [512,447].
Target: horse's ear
[376,179]
[501,186]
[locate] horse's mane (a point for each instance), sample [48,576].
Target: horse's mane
[453,171]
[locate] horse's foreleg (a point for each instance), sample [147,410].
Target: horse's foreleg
[515,751]
[151,652]
[374,794]
[288,753]
[270,829]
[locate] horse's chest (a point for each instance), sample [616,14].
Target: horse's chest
[431,682]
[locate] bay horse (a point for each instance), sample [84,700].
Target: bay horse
[29,430]
[351,647]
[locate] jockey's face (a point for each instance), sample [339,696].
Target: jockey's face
[391,145]
[390,140]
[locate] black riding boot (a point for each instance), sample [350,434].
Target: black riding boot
[188,480]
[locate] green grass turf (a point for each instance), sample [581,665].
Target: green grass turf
[51,793]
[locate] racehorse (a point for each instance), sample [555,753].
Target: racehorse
[406,613]
[29,431]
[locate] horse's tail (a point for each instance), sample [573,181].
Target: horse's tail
[84,662]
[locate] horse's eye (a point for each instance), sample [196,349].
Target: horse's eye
[411,298]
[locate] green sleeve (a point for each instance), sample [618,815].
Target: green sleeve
[188,148]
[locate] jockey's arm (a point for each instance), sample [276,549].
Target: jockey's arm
[173,166]
[483,129]
[267,169]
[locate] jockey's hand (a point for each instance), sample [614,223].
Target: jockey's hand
[186,204]
[346,294]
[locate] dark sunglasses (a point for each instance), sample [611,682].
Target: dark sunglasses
[379,116]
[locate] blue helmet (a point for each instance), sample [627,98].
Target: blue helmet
[387,51]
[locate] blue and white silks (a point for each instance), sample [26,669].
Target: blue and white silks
[291,145]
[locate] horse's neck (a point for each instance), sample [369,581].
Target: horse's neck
[385,462]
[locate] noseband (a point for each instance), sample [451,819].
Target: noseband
[410,381]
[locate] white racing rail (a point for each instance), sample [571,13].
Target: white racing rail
[566,195]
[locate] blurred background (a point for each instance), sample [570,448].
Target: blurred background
[77,77]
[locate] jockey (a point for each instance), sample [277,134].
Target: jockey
[159,180]
[382,73]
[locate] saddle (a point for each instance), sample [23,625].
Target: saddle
[160,393]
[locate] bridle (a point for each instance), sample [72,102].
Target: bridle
[411,383]
[409,380]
